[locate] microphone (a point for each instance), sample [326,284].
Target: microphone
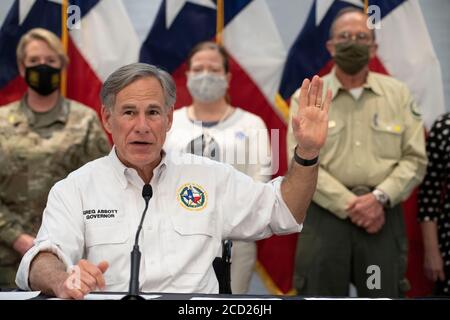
[133,292]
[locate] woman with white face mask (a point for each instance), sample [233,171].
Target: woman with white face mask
[211,127]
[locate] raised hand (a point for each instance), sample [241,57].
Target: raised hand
[310,125]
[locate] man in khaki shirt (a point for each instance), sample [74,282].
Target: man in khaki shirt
[373,158]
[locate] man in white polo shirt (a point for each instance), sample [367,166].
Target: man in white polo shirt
[92,216]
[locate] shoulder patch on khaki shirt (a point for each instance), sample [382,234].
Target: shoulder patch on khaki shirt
[415,110]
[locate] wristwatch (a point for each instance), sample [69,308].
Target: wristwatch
[381,197]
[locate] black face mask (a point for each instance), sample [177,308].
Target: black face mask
[43,79]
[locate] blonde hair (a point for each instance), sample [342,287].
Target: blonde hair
[48,37]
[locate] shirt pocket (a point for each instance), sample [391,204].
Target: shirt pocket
[109,243]
[333,142]
[387,140]
[190,247]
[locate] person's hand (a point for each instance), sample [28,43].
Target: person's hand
[376,224]
[366,212]
[84,278]
[433,265]
[23,243]
[310,124]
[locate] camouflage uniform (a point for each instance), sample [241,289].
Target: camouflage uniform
[37,150]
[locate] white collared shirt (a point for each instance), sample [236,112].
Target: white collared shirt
[93,214]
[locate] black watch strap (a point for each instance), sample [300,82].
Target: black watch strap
[304,162]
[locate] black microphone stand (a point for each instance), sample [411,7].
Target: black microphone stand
[133,292]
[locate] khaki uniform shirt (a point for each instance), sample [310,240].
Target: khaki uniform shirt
[37,150]
[376,141]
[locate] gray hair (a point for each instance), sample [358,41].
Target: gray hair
[126,75]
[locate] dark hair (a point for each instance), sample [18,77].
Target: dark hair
[344,11]
[209,45]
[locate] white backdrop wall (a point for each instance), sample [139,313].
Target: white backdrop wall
[436,13]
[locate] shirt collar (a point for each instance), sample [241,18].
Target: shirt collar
[371,84]
[62,107]
[128,175]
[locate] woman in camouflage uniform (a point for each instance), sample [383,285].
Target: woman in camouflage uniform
[43,137]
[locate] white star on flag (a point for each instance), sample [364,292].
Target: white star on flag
[173,7]
[322,7]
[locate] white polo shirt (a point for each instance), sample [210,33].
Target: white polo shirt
[94,213]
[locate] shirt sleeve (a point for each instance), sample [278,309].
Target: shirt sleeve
[410,169]
[61,231]
[252,210]
[97,144]
[332,194]
[430,192]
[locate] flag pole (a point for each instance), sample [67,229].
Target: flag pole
[65,43]
[219,21]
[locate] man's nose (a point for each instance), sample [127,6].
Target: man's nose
[142,125]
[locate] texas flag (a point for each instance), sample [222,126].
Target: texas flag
[273,45]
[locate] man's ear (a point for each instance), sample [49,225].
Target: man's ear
[106,118]
[169,119]
[330,47]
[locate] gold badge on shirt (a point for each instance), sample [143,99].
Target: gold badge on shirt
[192,196]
